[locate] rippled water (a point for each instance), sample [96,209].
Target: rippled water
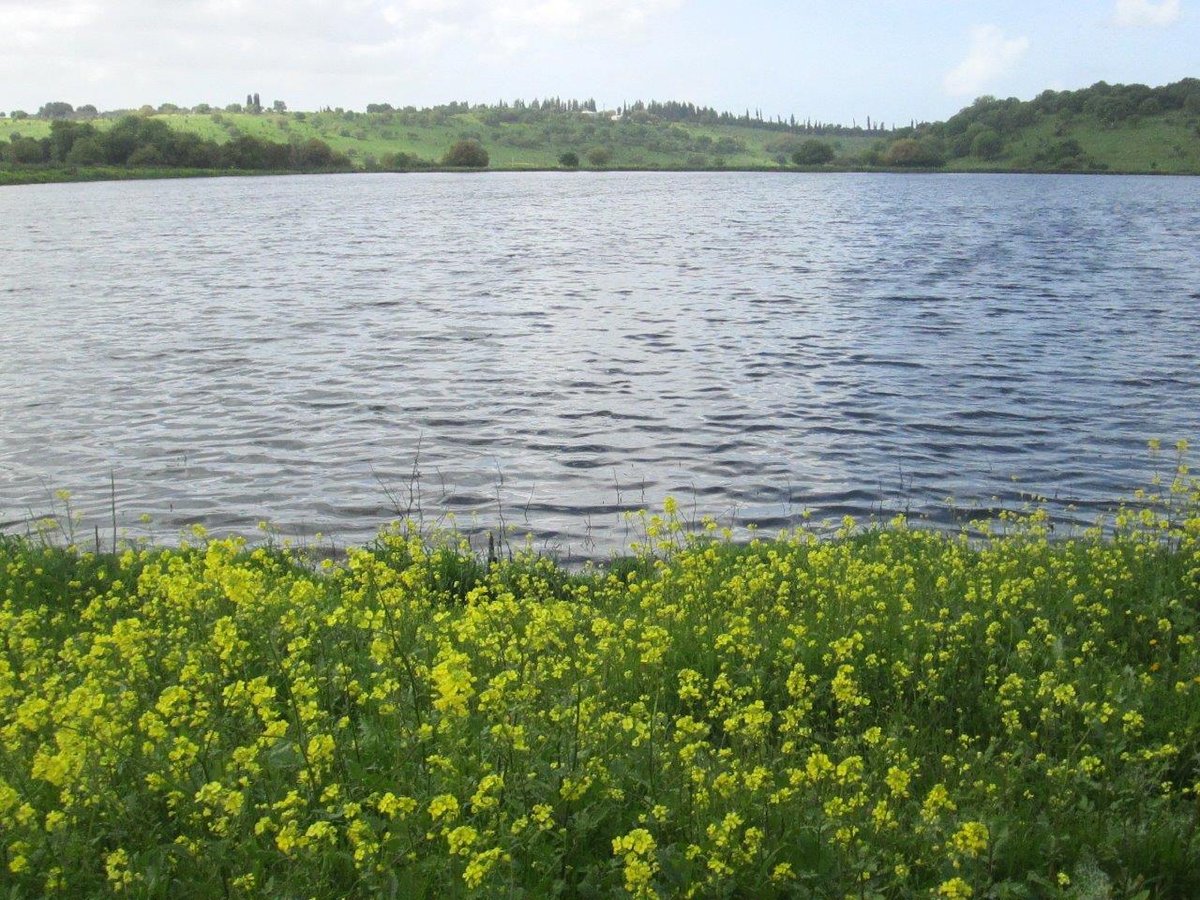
[554,349]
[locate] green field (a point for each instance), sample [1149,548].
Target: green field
[1166,144]
[368,139]
[888,712]
[1103,128]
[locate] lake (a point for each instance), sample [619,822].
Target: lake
[555,349]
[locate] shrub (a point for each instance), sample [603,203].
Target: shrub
[569,160]
[813,153]
[987,145]
[599,157]
[466,155]
[910,153]
[87,151]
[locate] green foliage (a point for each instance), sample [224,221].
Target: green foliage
[599,157]
[467,154]
[569,160]
[1116,125]
[888,712]
[813,153]
[1067,155]
[56,110]
[404,161]
[912,153]
[987,144]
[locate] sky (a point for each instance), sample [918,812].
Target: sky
[828,60]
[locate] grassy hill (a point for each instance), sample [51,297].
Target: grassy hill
[1117,128]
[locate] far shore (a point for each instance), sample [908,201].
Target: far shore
[63,175]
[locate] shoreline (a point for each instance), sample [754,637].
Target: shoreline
[35,176]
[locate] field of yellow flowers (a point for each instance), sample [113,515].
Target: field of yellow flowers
[889,712]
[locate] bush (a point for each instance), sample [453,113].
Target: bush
[569,160]
[466,155]
[599,157]
[987,145]
[27,150]
[87,151]
[145,155]
[813,153]
[401,160]
[910,153]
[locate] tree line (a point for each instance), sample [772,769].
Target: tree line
[137,141]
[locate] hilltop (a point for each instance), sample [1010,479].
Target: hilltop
[1116,128]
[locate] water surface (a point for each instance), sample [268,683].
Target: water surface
[554,349]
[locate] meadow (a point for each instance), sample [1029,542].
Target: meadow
[1039,135]
[886,711]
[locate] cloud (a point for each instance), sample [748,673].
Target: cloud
[126,51]
[509,26]
[1142,13]
[992,54]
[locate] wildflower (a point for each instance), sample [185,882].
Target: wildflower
[481,866]
[971,839]
[443,806]
[955,889]
[392,806]
[637,852]
[461,839]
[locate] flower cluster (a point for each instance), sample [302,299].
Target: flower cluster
[886,712]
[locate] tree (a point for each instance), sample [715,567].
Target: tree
[313,154]
[18,114]
[599,157]
[56,110]
[813,153]
[569,160]
[466,155]
[87,151]
[27,150]
[65,134]
[279,106]
[257,104]
[987,144]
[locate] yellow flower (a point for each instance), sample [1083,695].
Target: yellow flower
[443,806]
[461,839]
[392,806]
[955,889]
[971,839]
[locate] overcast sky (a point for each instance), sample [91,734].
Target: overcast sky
[833,60]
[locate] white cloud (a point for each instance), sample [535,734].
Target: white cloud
[1140,13]
[128,51]
[992,53]
[510,25]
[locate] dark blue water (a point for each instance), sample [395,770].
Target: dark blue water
[553,349]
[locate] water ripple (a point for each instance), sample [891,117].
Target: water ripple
[556,351]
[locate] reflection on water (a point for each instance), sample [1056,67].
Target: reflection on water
[555,348]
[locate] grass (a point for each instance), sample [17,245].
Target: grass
[886,712]
[1167,143]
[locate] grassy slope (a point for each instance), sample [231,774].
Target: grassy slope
[1165,143]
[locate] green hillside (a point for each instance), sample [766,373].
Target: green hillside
[1116,128]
